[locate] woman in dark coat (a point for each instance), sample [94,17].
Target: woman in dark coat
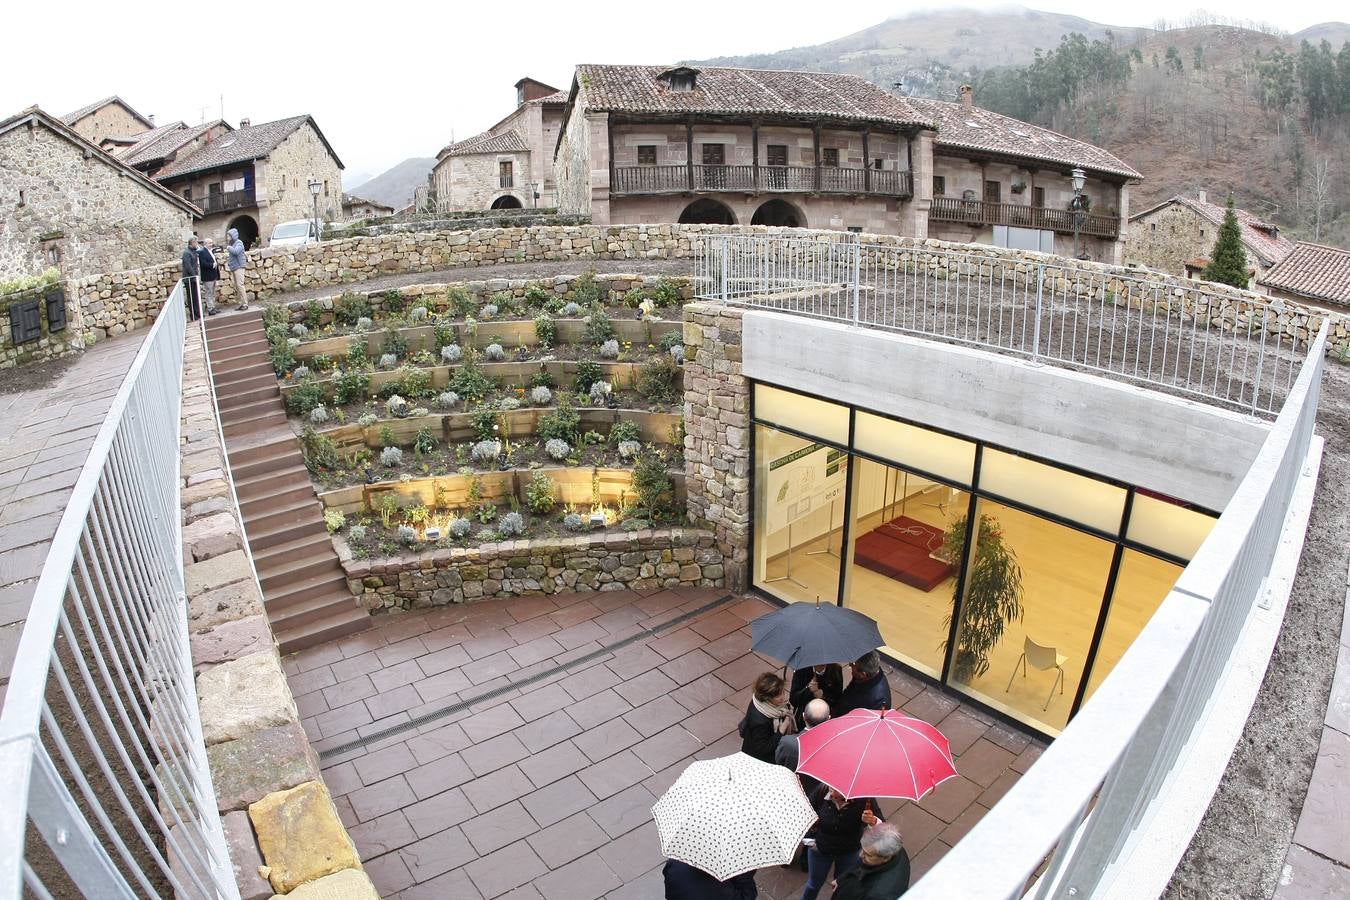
[837,835]
[816,683]
[767,719]
[684,882]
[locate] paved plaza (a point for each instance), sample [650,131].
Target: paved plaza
[544,788]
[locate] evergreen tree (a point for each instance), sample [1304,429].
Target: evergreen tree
[1227,262]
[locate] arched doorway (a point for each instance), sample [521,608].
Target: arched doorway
[779,212]
[707,212]
[506,201]
[248,230]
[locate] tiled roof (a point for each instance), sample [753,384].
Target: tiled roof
[161,142]
[77,115]
[1313,270]
[973,128]
[725,91]
[560,97]
[240,146]
[1260,238]
[506,142]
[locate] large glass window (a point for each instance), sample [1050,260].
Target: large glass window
[799,515]
[1141,586]
[828,421]
[929,451]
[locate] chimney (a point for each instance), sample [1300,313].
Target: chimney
[1204,197]
[244,123]
[967,96]
[151,119]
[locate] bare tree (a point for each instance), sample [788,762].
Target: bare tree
[1319,187]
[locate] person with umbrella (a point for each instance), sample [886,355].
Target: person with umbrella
[768,717]
[884,872]
[868,687]
[819,682]
[838,837]
[685,882]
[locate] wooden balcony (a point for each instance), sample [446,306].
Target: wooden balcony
[634,180]
[1018,215]
[226,200]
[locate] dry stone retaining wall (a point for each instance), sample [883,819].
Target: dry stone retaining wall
[652,558]
[52,344]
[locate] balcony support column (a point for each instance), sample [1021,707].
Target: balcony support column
[867,162]
[754,151]
[689,153]
[815,141]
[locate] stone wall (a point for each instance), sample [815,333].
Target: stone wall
[572,166]
[282,181]
[717,433]
[500,218]
[470,181]
[52,344]
[109,120]
[83,214]
[1168,238]
[274,808]
[652,558]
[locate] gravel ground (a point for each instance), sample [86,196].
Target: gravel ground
[1240,847]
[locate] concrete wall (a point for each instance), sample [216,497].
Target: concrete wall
[1120,431]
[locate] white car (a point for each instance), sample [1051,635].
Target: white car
[295,234]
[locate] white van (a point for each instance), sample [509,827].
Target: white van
[295,234]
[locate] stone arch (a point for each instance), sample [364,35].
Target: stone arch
[707,211]
[248,230]
[779,212]
[507,201]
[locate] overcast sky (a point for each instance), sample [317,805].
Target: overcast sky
[391,79]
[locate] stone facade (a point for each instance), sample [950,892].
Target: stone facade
[652,558]
[471,181]
[72,206]
[500,218]
[113,119]
[717,433]
[1168,238]
[283,180]
[52,344]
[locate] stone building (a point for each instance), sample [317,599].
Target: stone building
[1311,274]
[71,205]
[1177,236]
[153,151]
[256,176]
[111,118]
[509,166]
[354,207]
[809,149]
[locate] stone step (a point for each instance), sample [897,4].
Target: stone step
[286,524]
[256,452]
[283,455]
[244,339]
[254,425]
[250,410]
[265,379]
[233,362]
[302,579]
[249,395]
[257,507]
[337,620]
[228,323]
[295,549]
[267,483]
[225,380]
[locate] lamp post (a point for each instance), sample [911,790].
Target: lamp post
[314,186]
[1077,178]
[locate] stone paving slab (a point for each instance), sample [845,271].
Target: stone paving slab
[546,790]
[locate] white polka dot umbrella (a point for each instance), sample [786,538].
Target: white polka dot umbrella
[731,815]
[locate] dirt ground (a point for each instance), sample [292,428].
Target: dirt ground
[34,376]
[1240,847]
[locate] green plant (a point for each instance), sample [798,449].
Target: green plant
[484,422]
[562,422]
[624,430]
[357,355]
[475,491]
[652,485]
[393,301]
[585,289]
[425,442]
[541,379]
[545,331]
[1227,262]
[350,385]
[321,363]
[387,437]
[993,595]
[459,302]
[659,380]
[469,381]
[319,450]
[677,435]
[394,343]
[634,297]
[444,334]
[334,520]
[666,293]
[413,382]
[281,355]
[417,514]
[599,329]
[539,493]
[505,302]
[538,296]
[588,373]
[304,397]
[350,308]
[389,505]
[45,279]
[670,339]
[485,512]
[313,314]
[276,315]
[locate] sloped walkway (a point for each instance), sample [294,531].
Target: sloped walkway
[544,789]
[45,435]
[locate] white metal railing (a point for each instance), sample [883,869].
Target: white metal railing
[101,749]
[1063,829]
[1182,339]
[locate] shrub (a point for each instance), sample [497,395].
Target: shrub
[629,449]
[484,422]
[276,315]
[666,293]
[485,513]
[588,373]
[651,483]
[407,535]
[488,311]
[659,380]
[537,295]
[470,382]
[419,314]
[541,396]
[599,391]
[570,310]
[562,422]
[396,406]
[451,353]
[365,323]
[486,451]
[414,382]
[541,379]
[634,524]
[395,343]
[388,360]
[304,397]
[300,373]
[670,339]
[494,353]
[513,523]
[393,301]
[387,437]
[319,414]
[418,411]
[358,355]
[350,309]
[417,514]
[349,386]
[460,527]
[333,520]
[624,431]
[586,289]
[321,363]
[299,330]
[634,297]
[444,334]
[447,399]
[425,442]
[677,354]
[367,420]
[282,355]
[391,456]
[539,493]
[573,522]
[557,448]
[609,349]
[357,533]
[319,450]
[598,327]
[545,332]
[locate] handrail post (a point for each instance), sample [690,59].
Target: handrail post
[726,250]
[857,265]
[1036,327]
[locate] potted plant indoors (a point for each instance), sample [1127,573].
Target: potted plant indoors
[993,595]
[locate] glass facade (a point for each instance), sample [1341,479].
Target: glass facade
[1011,580]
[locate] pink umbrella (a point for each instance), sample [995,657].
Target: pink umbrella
[866,753]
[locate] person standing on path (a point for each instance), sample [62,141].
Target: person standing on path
[868,687]
[884,873]
[191,267]
[816,683]
[235,266]
[210,275]
[684,882]
[837,837]
[788,752]
[767,719]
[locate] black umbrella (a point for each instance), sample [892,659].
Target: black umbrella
[802,634]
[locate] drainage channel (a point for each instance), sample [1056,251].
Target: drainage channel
[426,719]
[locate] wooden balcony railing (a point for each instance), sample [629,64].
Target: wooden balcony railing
[214,203]
[770,179]
[1018,215]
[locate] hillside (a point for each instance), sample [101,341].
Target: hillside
[394,187]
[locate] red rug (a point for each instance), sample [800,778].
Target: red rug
[900,549]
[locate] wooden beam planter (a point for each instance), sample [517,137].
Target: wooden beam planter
[457,428]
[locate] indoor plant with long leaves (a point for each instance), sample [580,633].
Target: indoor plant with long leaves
[993,595]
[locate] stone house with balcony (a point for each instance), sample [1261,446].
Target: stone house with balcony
[257,176]
[1177,236]
[109,119]
[509,166]
[69,204]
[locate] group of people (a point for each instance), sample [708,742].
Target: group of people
[199,266]
[865,853]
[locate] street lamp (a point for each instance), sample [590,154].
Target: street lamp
[314,186]
[1077,178]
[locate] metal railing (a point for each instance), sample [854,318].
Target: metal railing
[213,203]
[767,179]
[101,749]
[1228,351]
[1079,808]
[1021,215]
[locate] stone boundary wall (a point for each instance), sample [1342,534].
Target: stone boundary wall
[456,223]
[52,345]
[651,558]
[281,827]
[129,299]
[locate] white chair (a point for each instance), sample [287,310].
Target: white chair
[1042,659]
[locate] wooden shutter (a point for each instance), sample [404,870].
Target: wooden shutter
[25,321]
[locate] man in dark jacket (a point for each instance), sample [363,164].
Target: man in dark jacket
[191,270]
[884,873]
[837,837]
[868,688]
[684,882]
[210,275]
[788,751]
[816,683]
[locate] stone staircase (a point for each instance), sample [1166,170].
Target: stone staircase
[304,588]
